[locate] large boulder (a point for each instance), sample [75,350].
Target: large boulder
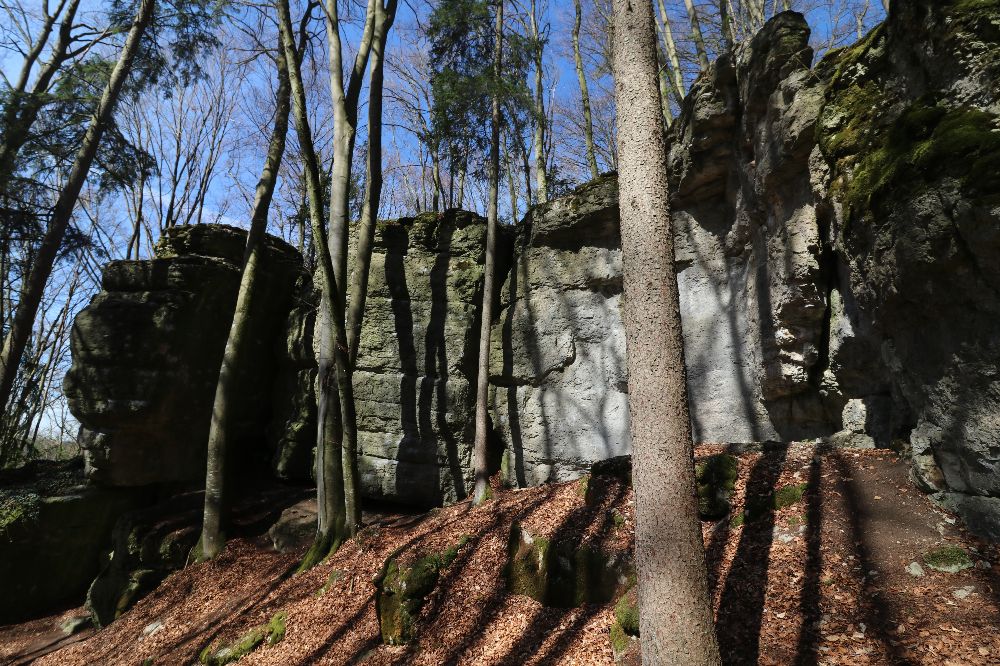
[416,372]
[54,530]
[147,351]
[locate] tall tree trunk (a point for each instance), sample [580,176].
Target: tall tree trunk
[581,75]
[541,169]
[460,196]
[345,121]
[665,87]
[727,24]
[330,523]
[384,17]
[479,452]
[677,75]
[699,41]
[675,611]
[220,431]
[62,212]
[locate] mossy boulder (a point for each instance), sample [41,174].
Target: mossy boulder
[562,575]
[220,654]
[402,589]
[53,531]
[715,478]
[146,353]
[625,629]
[948,559]
[760,506]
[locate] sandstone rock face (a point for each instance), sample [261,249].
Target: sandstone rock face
[147,350]
[557,357]
[911,130]
[837,235]
[416,374]
[837,230]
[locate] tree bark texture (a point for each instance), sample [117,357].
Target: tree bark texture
[675,612]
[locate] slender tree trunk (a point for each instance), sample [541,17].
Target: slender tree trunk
[384,17]
[330,523]
[675,611]
[664,83]
[727,24]
[345,120]
[460,197]
[581,75]
[541,170]
[699,41]
[220,431]
[62,212]
[481,462]
[677,75]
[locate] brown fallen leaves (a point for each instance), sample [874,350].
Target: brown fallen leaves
[820,581]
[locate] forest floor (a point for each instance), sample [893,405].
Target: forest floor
[828,579]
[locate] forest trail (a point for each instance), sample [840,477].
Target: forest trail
[843,557]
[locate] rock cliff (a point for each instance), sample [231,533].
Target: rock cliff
[416,375]
[837,231]
[146,356]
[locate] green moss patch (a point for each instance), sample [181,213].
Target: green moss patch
[271,633]
[781,498]
[401,591]
[625,626]
[926,143]
[562,575]
[949,559]
[627,614]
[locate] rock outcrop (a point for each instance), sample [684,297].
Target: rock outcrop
[416,374]
[910,129]
[557,359]
[54,530]
[146,356]
[837,233]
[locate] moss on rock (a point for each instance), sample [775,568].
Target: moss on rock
[220,654]
[781,498]
[949,559]
[562,575]
[401,591]
[715,478]
[625,626]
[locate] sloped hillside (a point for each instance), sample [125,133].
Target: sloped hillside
[832,559]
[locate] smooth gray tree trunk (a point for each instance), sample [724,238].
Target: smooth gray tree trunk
[220,431]
[581,75]
[331,519]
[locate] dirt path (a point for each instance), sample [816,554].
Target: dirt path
[822,580]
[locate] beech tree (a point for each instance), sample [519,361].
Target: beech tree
[216,500]
[337,483]
[675,611]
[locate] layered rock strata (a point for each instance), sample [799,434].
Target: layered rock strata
[147,349]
